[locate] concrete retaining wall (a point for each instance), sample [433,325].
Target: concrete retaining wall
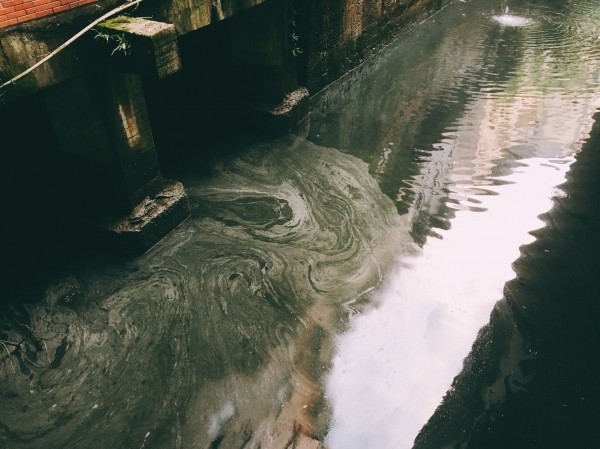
[337,35]
[110,105]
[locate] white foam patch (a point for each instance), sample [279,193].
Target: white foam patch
[510,20]
[218,419]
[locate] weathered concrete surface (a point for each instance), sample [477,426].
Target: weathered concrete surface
[150,47]
[23,45]
[190,15]
[328,37]
[337,35]
[104,134]
[270,49]
[153,218]
[102,126]
[22,48]
[286,115]
[261,54]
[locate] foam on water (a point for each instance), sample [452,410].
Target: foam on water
[511,20]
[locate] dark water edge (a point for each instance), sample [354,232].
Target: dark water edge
[531,380]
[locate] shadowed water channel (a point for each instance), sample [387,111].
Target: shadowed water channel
[330,288]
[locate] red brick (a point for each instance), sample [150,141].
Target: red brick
[77,3]
[23,10]
[25,18]
[60,8]
[41,2]
[43,13]
[8,23]
[46,7]
[36,9]
[14,15]
[11,3]
[23,6]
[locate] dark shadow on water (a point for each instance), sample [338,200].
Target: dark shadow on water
[41,231]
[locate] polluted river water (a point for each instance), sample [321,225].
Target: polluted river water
[417,271]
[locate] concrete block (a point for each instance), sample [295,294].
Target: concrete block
[190,15]
[146,47]
[153,218]
[286,115]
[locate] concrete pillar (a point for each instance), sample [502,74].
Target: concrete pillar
[263,58]
[103,130]
[149,48]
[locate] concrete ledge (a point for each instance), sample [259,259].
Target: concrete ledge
[285,116]
[146,47]
[190,15]
[152,219]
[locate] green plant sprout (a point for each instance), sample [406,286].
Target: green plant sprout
[122,45]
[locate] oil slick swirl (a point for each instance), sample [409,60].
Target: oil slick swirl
[219,336]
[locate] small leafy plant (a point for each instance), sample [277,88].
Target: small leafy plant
[296,50]
[120,42]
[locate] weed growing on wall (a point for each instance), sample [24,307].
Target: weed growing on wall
[121,45]
[294,38]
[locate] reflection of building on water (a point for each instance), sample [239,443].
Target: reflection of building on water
[524,116]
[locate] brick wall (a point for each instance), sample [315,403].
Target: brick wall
[19,11]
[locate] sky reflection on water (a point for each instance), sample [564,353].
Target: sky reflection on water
[398,360]
[507,135]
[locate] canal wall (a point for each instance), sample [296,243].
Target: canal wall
[338,35]
[115,103]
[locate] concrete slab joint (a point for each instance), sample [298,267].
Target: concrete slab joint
[147,47]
